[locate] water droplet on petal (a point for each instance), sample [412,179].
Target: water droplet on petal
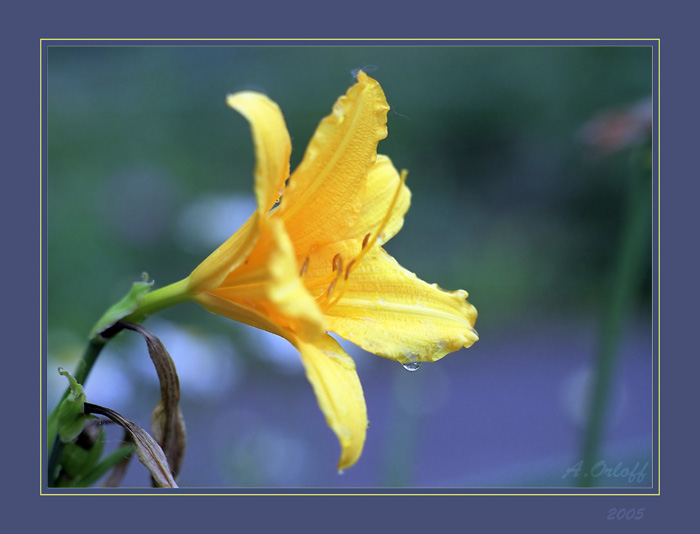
[411,366]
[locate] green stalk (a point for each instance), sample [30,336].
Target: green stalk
[157,300]
[627,275]
[92,351]
[134,308]
[403,432]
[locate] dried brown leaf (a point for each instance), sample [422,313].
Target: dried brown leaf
[148,451]
[167,421]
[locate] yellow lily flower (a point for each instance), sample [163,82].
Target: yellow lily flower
[310,260]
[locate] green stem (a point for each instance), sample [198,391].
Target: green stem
[627,275]
[403,431]
[152,302]
[160,299]
[92,351]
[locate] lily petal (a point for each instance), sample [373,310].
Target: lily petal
[339,393]
[272,145]
[227,257]
[388,311]
[272,150]
[238,312]
[382,181]
[324,195]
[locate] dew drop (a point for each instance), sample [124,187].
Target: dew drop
[411,366]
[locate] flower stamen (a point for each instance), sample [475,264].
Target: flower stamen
[350,266]
[337,263]
[304,267]
[367,243]
[365,240]
[330,288]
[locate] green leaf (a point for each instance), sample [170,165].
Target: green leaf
[126,306]
[103,467]
[70,417]
[81,458]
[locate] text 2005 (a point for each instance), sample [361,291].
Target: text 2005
[626,513]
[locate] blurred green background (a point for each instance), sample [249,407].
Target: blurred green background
[513,200]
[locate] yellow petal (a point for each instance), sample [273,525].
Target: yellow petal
[324,195]
[238,312]
[382,182]
[272,145]
[272,150]
[213,270]
[339,392]
[388,311]
[269,283]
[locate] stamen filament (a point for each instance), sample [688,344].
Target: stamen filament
[350,266]
[324,297]
[338,294]
[318,282]
[330,288]
[367,243]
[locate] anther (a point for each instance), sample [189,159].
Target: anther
[365,241]
[337,262]
[304,267]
